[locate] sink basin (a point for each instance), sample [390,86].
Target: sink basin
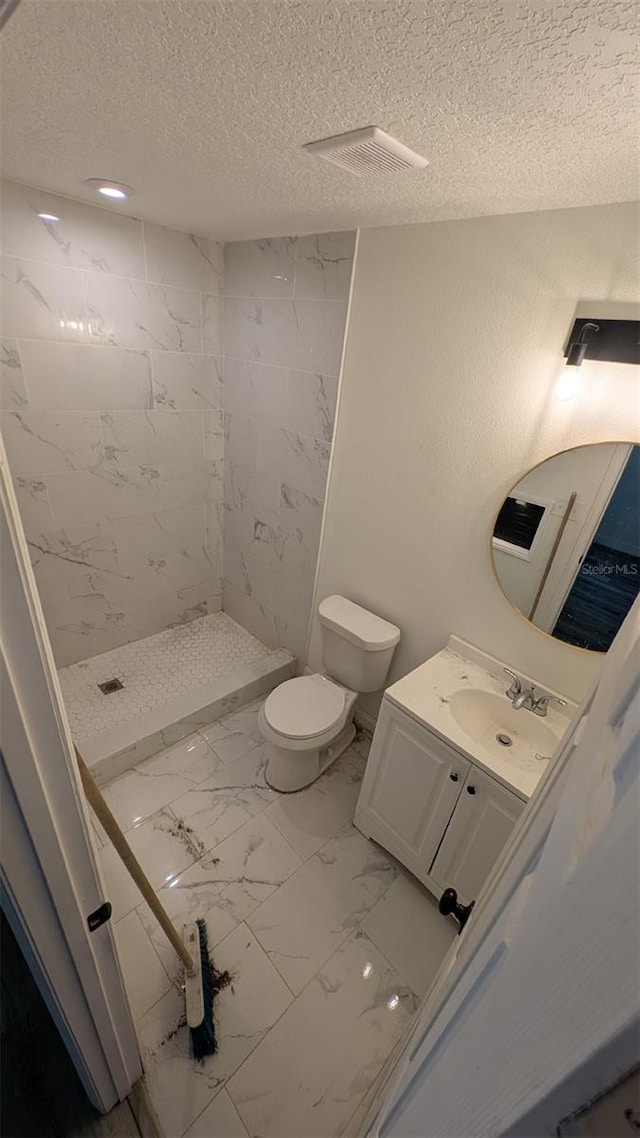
[484,716]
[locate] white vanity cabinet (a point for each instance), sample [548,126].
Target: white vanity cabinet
[484,816]
[430,806]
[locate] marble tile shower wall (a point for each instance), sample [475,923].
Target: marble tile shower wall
[112,417]
[285,311]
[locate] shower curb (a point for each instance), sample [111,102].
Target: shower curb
[120,748]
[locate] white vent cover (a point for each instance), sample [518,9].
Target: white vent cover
[367,151]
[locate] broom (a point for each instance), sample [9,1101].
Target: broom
[192,947]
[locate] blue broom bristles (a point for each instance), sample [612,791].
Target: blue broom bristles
[203,1037]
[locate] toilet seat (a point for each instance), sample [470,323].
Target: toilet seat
[306,707]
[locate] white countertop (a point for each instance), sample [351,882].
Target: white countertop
[425,695]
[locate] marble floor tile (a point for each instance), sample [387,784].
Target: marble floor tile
[329,943]
[190,897]
[155,783]
[251,1004]
[308,1075]
[235,735]
[222,804]
[256,998]
[313,913]
[145,979]
[248,770]
[250,865]
[245,719]
[312,816]
[407,927]
[225,886]
[190,758]
[221,1118]
[164,846]
[180,1088]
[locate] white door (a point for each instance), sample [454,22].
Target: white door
[410,788]
[537,1008]
[482,821]
[48,875]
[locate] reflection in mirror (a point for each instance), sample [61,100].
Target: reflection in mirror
[566,543]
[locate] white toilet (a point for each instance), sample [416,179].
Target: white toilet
[309,720]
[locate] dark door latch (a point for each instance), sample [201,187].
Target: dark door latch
[99,916]
[449,904]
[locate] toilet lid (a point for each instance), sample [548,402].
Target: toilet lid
[304,707]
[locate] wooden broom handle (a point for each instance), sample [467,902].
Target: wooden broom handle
[103,813]
[547,568]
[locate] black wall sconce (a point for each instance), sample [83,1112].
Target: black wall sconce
[577,349]
[611,341]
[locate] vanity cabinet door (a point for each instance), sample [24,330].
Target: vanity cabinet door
[483,819]
[410,788]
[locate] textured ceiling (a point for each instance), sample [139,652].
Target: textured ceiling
[204,106]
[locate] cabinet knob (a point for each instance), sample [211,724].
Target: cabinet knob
[471,790]
[453,776]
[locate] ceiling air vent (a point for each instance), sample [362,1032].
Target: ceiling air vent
[367,151]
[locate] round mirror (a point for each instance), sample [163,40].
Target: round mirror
[566,543]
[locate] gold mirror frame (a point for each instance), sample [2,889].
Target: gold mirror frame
[509,493]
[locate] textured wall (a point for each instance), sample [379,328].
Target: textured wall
[112,397]
[284,318]
[455,340]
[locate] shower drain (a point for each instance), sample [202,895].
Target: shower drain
[110,686]
[504,740]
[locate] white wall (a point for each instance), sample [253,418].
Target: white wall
[453,346]
[111,391]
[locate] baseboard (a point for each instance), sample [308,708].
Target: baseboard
[143,1111]
[365,721]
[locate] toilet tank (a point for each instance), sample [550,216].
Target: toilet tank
[357,645]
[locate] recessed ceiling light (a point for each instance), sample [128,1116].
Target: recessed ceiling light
[111,192]
[117,191]
[48,217]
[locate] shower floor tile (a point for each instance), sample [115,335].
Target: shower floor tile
[154,671]
[298,906]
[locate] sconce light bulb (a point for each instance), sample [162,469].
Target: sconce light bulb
[567,384]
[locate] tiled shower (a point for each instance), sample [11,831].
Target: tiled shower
[285,311]
[168,408]
[112,417]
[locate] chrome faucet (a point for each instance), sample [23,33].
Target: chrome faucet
[541,705]
[519,696]
[526,697]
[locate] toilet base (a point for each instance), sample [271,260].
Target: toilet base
[288,771]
